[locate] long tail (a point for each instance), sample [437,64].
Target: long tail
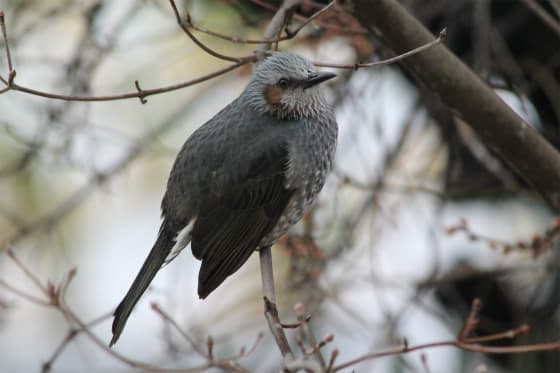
[154,261]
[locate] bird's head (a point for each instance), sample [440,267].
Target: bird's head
[285,85]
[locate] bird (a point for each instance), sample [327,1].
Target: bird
[243,178]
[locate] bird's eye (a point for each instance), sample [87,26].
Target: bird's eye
[283,83]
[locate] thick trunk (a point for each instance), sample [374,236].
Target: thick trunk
[515,141]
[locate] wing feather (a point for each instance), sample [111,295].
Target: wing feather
[234,219]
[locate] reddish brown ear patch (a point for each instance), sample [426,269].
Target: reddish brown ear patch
[273,95]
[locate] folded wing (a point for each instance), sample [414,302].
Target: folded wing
[242,208]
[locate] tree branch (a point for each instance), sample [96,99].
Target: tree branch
[514,140]
[270,310]
[539,11]
[5,38]
[290,34]
[185,28]
[275,26]
[142,94]
[10,85]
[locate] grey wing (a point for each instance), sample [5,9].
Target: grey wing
[233,219]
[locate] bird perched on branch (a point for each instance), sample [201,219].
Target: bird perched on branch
[245,177]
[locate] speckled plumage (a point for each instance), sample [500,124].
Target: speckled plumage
[245,177]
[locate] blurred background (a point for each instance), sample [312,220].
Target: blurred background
[417,219]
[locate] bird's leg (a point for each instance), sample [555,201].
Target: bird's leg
[270,310]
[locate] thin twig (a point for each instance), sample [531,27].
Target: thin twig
[539,11]
[165,316]
[508,334]
[233,39]
[139,93]
[314,16]
[23,294]
[290,34]
[318,346]
[82,327]
[136,94]
[72,333]
[47,366]
[91,185]
[198,42]
[69,277]
[275,26]
[295,325]
[26,271]
[244,352]
[464,342]
[334,355]
[6,44]
[555,5]
[141,97]
[270,310]
[299,17]
[472,321]
[424,361]
[388,61]
[467,346]
[299,309]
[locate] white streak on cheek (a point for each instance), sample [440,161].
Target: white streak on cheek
[182,240]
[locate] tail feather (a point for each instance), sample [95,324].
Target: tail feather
[154,261]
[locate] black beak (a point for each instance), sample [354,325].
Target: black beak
[317,78]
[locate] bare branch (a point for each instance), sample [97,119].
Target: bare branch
[26,271]
[270,310]
[539,11]
[290,34]
[537,245]
[6,44]
[84,328]
[142,97]
[139,93]
[176,326]
[314,16]
[467,345]
[99,178]
[326,26]
[136,94]
[72,333]
[201,45]
[275,26]
[472,321]
[356,66]
[555,6]
[23,294]
[303,319]
[497,125]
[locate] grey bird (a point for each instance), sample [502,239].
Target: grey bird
[245,177]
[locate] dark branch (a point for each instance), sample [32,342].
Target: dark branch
[497,125]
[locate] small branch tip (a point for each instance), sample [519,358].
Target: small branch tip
[141,96]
